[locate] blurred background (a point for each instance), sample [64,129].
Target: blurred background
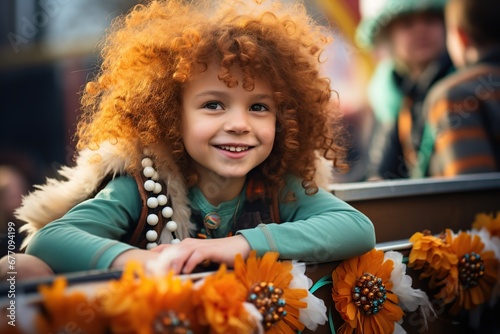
[49,49]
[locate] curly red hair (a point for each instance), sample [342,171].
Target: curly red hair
[150,53]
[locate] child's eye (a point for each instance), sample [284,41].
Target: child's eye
[213,105]
[259,107]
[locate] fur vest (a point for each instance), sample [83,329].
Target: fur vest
[56,197]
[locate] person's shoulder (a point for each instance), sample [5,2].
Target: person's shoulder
[122,185]
[294,185]
[465,83]
[292,181]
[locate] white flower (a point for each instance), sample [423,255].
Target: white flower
[409,299]
[315,313]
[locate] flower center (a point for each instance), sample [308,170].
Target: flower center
[168,322]
[369,294]
[268,301]
[470,269]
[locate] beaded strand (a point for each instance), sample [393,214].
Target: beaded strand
[156,202]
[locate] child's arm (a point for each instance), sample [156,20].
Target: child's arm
[318,228]
[87,237]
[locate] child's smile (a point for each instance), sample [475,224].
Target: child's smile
[227,131]
[234,148]
[234,151]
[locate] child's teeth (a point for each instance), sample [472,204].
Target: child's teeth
[235,148]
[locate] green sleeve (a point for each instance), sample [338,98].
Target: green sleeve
[87,237]
[317,228]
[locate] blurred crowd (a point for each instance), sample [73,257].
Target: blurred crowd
[434,94]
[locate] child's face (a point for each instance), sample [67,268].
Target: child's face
[417,39]
[227,131]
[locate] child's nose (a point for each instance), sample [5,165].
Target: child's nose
[237,121]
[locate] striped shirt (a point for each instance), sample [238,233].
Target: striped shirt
[463,113]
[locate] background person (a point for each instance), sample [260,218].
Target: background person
[463,109]
[409,37]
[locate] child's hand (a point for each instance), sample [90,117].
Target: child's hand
[140,255]
[191,252]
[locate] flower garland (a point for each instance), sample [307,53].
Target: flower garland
[372,293]
[260,295]
[463,267]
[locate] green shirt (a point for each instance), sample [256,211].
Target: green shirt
[317,228]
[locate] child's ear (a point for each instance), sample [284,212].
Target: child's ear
[463,37]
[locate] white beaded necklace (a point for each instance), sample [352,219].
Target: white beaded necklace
[156,202]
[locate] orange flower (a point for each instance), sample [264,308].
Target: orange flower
[490,222]
[471,281]
[266,277]
[222,299]
[431,254]
[68,310]
[137,303]
[362,294]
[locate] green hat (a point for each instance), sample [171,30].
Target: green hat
[377,14]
